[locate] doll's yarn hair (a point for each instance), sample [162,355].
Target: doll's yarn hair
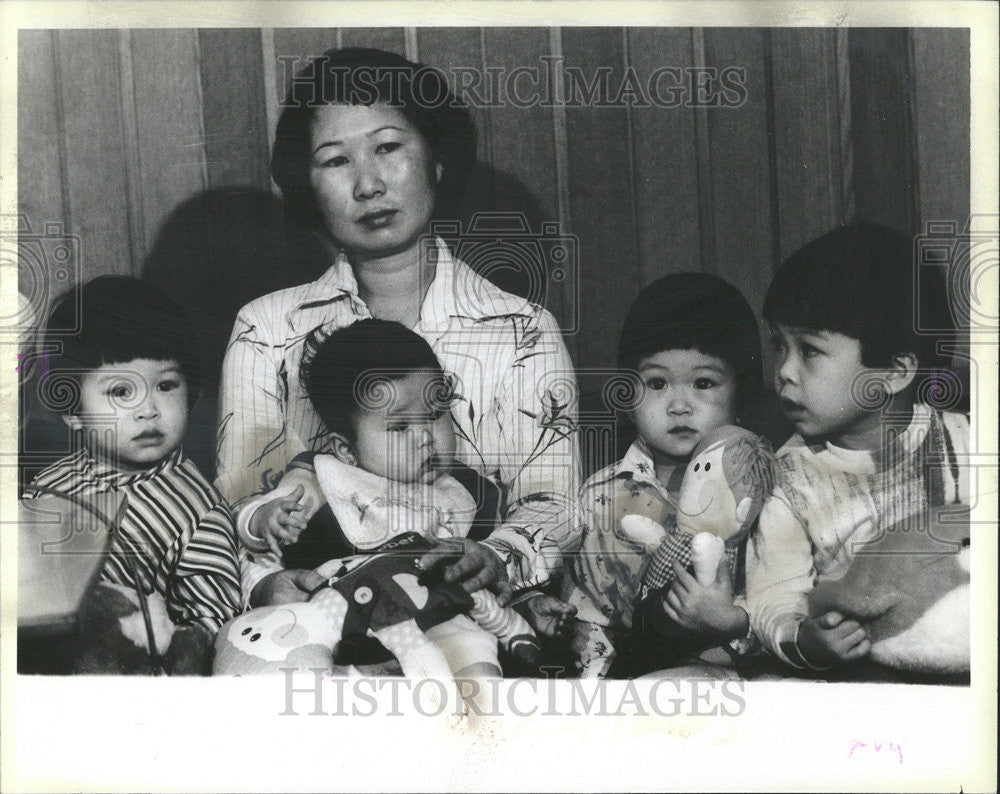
[748,464]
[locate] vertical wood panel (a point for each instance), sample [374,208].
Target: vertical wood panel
[635,179]
[95,149]
[393,39]
[130,162]
[461,49]
[233,94]
[40,166]
[703,162]
[807,135]
[941,61]
[168,121]
[664,159]
[301,44]
[600,199]
[885,171]
[522,136]
[523,174]
[741,168]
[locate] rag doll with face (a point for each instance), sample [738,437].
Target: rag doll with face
[729,476]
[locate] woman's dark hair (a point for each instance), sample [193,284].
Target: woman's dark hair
[696,311]
[117,319]
[860,281]
[361,76]
[356,365]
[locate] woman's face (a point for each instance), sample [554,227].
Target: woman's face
[374,177]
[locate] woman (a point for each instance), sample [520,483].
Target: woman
[371,147]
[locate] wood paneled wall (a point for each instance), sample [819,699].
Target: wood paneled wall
[116,129]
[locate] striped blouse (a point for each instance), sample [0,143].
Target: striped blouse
[513,404]
[176,526]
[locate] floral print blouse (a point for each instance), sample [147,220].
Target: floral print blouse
[513,400]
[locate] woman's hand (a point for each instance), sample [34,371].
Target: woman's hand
[477,566]
[706,610]
[280,521]
[285,587]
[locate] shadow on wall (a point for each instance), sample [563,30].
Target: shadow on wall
[215,252]
[222,249]
[507,209]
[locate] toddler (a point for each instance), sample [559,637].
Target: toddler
[851,372]
[134,375]
[694,343]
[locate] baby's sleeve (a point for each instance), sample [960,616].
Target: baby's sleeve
[256,559]
[780,576]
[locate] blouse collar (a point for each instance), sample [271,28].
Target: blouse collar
[456,291]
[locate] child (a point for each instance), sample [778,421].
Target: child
[867,452]
[694,342]
[385,401]
[133,373]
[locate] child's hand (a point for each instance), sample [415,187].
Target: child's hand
[280,521]
[706,610]
[829,639]
[550,616]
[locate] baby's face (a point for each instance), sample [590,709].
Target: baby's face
[411,438]
[687,393]
[133,414]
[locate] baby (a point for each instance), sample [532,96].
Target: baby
[384,400]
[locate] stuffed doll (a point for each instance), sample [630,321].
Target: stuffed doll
[382,595]
[729,476]
[909,589]
[69,621]
[725,485]
[358,512]
[114,636]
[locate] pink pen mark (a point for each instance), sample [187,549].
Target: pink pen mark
[876,748]
[28,361]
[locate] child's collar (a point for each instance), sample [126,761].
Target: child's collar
[901,447]
[639,465]
[116,478]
